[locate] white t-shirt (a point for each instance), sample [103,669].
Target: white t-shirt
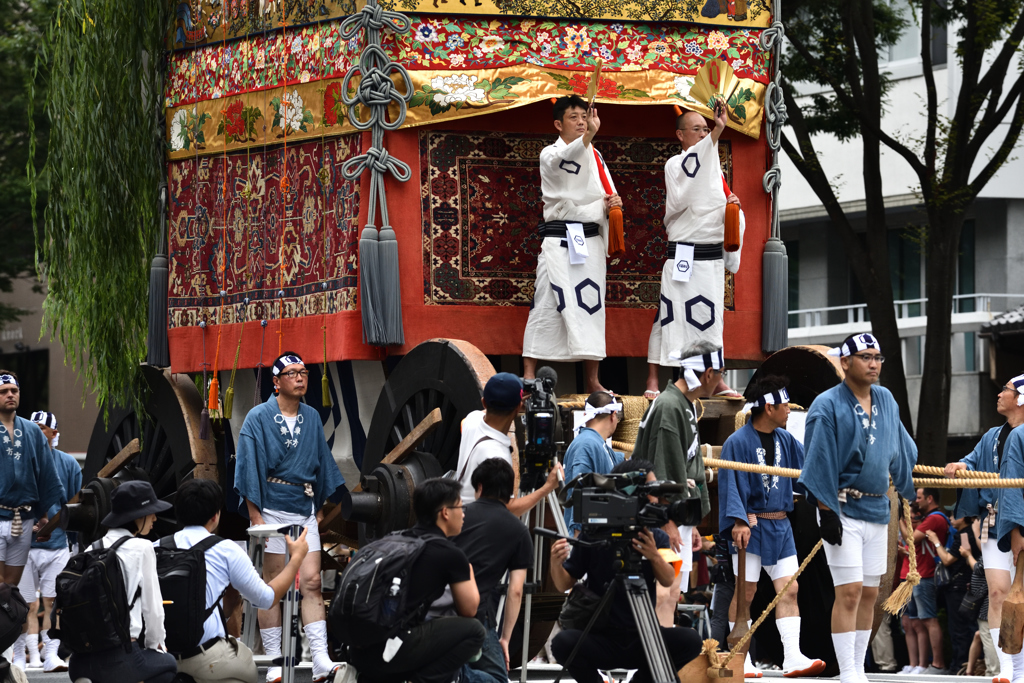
[290,421]
[480,441]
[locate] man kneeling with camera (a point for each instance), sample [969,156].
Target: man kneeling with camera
[614,641]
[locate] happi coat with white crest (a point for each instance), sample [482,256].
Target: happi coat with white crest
[845,447]
[746,493]
[986,457]
[266,448]
[567,316]
[28,475]
[1011,501]
[695,200]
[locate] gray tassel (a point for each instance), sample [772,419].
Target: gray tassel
[390,288]
[775,297]
[369,286]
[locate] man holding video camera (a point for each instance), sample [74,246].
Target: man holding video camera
[615,640]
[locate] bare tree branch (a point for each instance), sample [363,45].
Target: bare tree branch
[931,102]
[1003,153]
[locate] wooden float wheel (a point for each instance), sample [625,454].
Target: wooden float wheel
[171,450]
[449,374]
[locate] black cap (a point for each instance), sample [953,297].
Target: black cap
[132,500]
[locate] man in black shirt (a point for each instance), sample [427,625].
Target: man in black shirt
[495,541]
[431,652]
[616,643]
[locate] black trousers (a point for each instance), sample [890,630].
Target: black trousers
[118,666]
[621,650]
[430,653]
[961,631]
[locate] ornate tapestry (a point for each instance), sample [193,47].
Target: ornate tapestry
[264,234]
[202,22]
[260,89]
[482,201]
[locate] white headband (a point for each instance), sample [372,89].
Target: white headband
[695,365]
[284,361]
[8,379]
[41,417]
[590,412]
[771,398]
[854,345]
[1018,384]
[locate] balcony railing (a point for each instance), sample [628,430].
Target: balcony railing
[904,308]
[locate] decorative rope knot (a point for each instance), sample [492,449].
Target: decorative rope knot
[772,36]
[772,179]
[373,17]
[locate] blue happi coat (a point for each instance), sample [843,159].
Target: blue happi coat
[743,493]
[984,458]
[844,447]
[267,449]
[1011,501]
[588,452]
[27,472]
[70,474]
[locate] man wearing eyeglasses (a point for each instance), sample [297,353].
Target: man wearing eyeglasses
[853,442]
[996,506]
[692,291]
[284,474]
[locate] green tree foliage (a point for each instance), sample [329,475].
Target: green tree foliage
[104,165]
[836,44]
[21,25]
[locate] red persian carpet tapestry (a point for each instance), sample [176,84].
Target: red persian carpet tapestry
[263,234]
[482,202]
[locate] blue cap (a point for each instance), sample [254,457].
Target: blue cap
[504,392]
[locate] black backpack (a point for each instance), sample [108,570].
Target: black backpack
[371,602]
[91,612]
[13,613]
[182,576]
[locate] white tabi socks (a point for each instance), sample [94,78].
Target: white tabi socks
[845,645]
[18,657]
[316,632]
[794,660]
[1018,667]
[32,643]
[749,670]
[860,653]
[272,647]
[1005,661]
[51,660]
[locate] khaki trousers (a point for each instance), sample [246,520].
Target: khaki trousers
[227,660]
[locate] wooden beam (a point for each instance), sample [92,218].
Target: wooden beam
[113,466]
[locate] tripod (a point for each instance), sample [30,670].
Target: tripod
[535,572]
[628,578]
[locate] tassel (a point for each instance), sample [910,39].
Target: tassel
[901,597]
[732,228]
[325,389]
[616,234]
[775,293]
[390,288]
[213,398]
[257,398]
[369,288]
[204,424]
[229,401]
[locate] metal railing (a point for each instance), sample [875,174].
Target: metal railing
[905,308]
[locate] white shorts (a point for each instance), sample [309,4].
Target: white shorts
[14,549]
[41,572]
[276,546]
[993,557]
[784,568]
[864,551]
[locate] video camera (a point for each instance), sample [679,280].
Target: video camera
[617,505]
[539,418]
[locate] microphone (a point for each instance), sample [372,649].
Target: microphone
[547,372]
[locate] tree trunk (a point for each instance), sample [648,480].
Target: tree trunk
[936,379]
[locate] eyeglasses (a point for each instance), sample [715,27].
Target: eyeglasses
[292,374]
[700,129]
[870,357]
[451,507]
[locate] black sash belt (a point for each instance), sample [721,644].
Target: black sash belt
[558,229]
[701,252]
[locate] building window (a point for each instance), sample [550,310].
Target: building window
[908,47]
[965,285]
[33,370]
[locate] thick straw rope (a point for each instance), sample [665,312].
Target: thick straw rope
[755,469]
[743,641]
[988,483]
[966,474]
[895,603]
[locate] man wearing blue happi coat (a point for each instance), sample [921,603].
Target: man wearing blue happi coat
[752,509]
[853,442]
[989,456]
[29,485]
[589,450]
[284,474]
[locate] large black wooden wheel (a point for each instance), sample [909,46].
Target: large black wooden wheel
[449,374]
[169,433]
